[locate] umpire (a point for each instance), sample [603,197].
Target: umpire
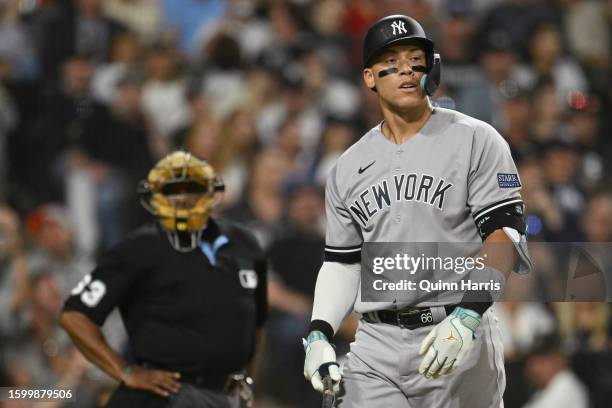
[192,294]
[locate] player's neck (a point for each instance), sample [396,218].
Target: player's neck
[399,127]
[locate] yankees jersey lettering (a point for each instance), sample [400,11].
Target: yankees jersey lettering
[432,188]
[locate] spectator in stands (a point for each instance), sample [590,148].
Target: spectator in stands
[80,28]
[15,284]
[16,44]
[522,324]
[289,141]
[548,371]
[548,61]
[482,96]
[101,175]
[560,164]
[585,329]
[125,56]
[238,148]
[547,113]
[141,17]
[204,139]
[295,257]
[586,20]
[596,222]
[337,136]
[516,120]
[223,79]
[584,120]
[45,358]
[598,218]
[55,249]
[326,18]
[456,44]
[261,206]
[163,95]
[65,110]
[55,252]
[544,215]
[516,18]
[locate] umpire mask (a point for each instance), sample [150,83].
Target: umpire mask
[181,191]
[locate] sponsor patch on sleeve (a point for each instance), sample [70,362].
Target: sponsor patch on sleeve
[508,180]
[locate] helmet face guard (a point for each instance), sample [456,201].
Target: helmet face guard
[181,191]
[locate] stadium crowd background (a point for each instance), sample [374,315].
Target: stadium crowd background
[93,92]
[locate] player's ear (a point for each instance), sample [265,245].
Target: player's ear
[368,78]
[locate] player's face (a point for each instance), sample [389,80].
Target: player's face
[396,74]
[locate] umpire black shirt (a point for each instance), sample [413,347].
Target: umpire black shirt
[192,312]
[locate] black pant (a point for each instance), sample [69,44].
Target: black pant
[188,396]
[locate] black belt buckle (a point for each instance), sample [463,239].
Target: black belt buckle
[414,319]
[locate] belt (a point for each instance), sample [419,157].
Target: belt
[410,318]
[198,379]
[214,383]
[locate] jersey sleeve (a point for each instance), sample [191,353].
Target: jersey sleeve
[99,292]
[493,179]
[343,237]
[259,258]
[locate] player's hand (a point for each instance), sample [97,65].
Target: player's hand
[158,382]
[320,354]
[446,346]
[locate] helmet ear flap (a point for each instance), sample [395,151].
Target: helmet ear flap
[431,80]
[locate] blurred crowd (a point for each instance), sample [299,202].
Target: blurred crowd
[93,92]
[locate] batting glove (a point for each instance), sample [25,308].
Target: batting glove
[446,346]
[320,357]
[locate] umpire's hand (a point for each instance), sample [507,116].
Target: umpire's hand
[319,353]
[157,381]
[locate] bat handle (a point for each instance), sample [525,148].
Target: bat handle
[328,387]
[328,393]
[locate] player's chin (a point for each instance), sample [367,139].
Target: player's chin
[408,101]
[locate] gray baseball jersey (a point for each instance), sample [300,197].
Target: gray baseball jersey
[432,188]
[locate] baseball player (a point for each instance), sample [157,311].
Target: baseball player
[192,294]
[423,174]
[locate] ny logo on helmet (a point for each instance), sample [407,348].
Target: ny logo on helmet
[399,27]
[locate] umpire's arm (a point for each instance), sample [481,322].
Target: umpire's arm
[87,308]
[90,341]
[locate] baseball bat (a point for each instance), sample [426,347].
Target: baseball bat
[328,393]
[329,397]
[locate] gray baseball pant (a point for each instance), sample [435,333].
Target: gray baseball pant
[381,370]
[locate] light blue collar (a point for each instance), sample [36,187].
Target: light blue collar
[211,250]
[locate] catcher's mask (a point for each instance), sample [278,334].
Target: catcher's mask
[181,191]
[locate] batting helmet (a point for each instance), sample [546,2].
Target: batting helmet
[180,190]
[395,28]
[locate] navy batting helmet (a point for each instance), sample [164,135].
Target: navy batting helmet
[393,29]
